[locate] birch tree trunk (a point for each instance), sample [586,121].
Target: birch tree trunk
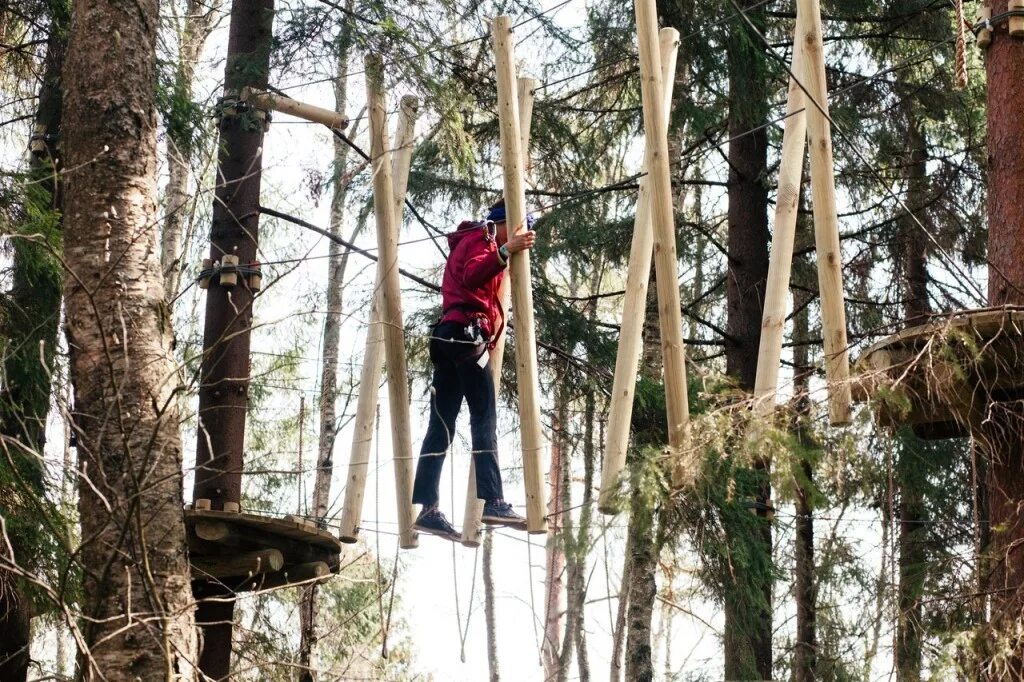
[336,263]
[199,20]
[136,593]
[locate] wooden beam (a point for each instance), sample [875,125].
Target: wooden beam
[826,221]
[287,105]
[531,436]
[373,356]
[245,563]
[666,263]
[787,200]
[474,508]
[634,305]
[391,303]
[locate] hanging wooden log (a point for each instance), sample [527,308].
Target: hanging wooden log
[620,412]
[826,222]
[474,509]
[391,304]
[373,355]
[794,141]
[663,219]
[522,294]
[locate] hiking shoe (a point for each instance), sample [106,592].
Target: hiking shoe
[432,521]
[499,513]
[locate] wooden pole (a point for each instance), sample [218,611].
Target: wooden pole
[794,138]
[522,294]
[474,509]
[293,107]
[826,222]
[373,357]
[620,413]
[663,219]
[391,303]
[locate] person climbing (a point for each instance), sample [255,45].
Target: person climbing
[472,318]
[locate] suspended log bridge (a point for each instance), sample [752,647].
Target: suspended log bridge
[941,378]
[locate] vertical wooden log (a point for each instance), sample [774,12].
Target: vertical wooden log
[373,356]
[787,201]
[663,219]
[826,222]
[620,413]
[391,304]
[474,509]
[522,294]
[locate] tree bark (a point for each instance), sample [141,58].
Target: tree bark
[489,617]
[199,20]
[555,553]
[136,596]
[748,620]
[642,558]
[1003,434]
[805,653]
[225,372]
[336,263]
[912,507]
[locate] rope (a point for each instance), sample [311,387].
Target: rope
[533,605]
[961,45]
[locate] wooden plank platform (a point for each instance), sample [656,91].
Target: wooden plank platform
[939,377]
[244,551]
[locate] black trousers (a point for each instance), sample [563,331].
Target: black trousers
[458,375]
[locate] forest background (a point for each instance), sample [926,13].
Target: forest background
[873,531]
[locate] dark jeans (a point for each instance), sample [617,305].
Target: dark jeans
[457,374]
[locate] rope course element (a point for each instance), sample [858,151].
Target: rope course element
[980,295]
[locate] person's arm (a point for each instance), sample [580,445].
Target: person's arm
[481,266]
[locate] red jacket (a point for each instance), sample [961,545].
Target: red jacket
[472,278]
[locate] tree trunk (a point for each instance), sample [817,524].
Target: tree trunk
[642,558]
[748,618]
[555,552]
[30,317]
[200,18]
[619,633]
[1003,435]
[224,376]
[136,598]
[329,369]
[492,628]
[577,552]
[805,653]
[912,508]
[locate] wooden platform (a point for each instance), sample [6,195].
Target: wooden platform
[939,377]
[244,552]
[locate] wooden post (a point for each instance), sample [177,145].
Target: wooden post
[620,413]
[787,201]
[373,356]
[391,304]
[826,222]
[663,219]
[293,107]
[474,509]
[522,293]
